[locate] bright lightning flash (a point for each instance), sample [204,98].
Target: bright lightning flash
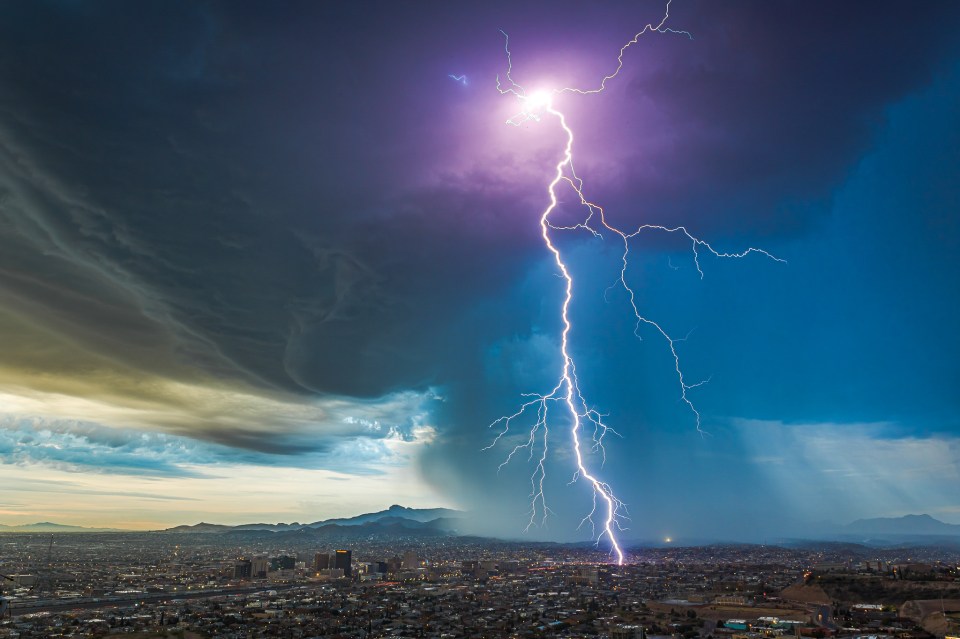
[534,106]
[537,101]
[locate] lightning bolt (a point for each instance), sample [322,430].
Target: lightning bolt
[462,79]
[566,393]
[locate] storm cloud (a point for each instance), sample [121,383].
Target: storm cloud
[284,231]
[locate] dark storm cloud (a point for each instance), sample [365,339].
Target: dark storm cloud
[248,186]
[164,180]
[282,207]
[766,111]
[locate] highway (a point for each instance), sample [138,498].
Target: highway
[18,608]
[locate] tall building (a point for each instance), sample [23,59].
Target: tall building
[410,560]
[321,561]
[393,564]
[242,569]
[469,567]
[342,561]
[259,568]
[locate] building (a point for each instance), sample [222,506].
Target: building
[331,573]
[730,600]
[321,561]
[410,560]
[259,567]
[469,567]
[627,632]
[394,564]
[585,576]
[342,562]
[242,569]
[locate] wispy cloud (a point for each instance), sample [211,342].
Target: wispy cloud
[350,436]
[72,445]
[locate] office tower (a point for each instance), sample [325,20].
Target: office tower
[259,567]
[321,561]
[342,561]
[242,569]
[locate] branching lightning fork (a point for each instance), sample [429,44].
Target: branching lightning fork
[566,393]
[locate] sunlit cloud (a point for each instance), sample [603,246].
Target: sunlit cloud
[228,418]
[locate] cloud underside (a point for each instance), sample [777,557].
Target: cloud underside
[360,448]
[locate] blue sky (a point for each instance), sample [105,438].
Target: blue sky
[283,247]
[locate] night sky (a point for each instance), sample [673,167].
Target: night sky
[266,262]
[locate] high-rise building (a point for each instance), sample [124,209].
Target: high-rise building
[242,569]
[410,560]
[393,564]
[342,561]
[259,567]
[321,561]
[508,566]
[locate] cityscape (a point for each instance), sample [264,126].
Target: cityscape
[246,584]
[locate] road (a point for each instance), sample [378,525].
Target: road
[92,603]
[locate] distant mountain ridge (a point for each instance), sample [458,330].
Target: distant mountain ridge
[910,525]
[395,520]
[46,526]
[202,527]
[397,517]
[913,530]
[402,522]
[414,514]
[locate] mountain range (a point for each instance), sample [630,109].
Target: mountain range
[49,527]
[399,521]
[906,526]
[398,517]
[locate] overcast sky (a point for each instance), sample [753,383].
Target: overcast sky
[265,262]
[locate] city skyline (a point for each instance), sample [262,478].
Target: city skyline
[283,264]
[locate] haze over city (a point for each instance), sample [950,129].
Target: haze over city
[276,263]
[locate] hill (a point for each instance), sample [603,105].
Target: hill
[50,527]
[394,521]
[395,511]
[906,525]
